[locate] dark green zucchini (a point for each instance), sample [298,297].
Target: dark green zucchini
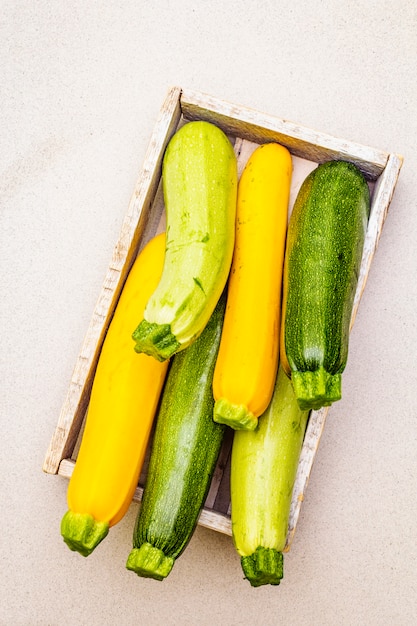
[184,453]
[324,247]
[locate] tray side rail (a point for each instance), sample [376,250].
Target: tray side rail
[76,401]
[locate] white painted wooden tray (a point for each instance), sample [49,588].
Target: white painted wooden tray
[246,128]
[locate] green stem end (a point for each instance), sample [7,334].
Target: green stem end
[82,533]
[316,389]
[155,340]
[149,562]
[237,416]
[264,567]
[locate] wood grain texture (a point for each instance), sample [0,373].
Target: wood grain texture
[76,402]
[301,141]
[146,216]
[380,202]
[381,199]
[209,518]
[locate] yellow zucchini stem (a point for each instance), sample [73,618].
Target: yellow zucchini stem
[237,416]
[82,533]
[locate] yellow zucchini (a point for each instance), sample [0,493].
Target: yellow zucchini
[123,403]
[248,357]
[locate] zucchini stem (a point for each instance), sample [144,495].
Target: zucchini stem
[264,567]
[82,533]
[316,389]
[237,416]
[149,562]
[155,340]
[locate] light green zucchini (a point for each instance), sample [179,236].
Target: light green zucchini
[263,469]
[199,179]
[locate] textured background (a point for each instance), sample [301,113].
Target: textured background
[81,86]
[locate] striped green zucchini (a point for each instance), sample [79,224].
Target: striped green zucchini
[184,453]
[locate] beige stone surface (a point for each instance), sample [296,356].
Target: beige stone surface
[81,86]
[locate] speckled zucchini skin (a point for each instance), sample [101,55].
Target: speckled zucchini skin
[199,178]
[184,453]
[323,254]
[263,471]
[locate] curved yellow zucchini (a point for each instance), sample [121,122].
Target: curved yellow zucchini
[124,398]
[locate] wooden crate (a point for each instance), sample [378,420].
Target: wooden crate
[246,128]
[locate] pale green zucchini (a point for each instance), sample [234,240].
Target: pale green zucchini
[263,470]
[199,179]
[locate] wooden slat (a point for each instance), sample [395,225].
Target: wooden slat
[381,200]
[301,141]
[76,401]
[208,518]
[314,431]
[221,476]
